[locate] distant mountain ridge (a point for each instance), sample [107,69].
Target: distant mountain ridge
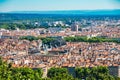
[82,12]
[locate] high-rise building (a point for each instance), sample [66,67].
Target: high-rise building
[74,27]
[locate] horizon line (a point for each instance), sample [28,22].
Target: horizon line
[55,10]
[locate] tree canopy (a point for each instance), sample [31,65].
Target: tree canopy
[7,72]
[90,40]
[95,73]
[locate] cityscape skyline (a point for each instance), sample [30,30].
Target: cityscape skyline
[59,39]
[52,5]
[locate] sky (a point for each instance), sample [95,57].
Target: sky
[48,5]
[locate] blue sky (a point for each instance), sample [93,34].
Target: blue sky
[46,5]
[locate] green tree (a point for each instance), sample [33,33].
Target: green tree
[30,38]
[38,74]
[5,73]
[63,77]
[82,72]
[53,72]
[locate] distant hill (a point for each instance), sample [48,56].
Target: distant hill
[81,12]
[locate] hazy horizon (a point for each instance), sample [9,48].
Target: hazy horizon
[55,5]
